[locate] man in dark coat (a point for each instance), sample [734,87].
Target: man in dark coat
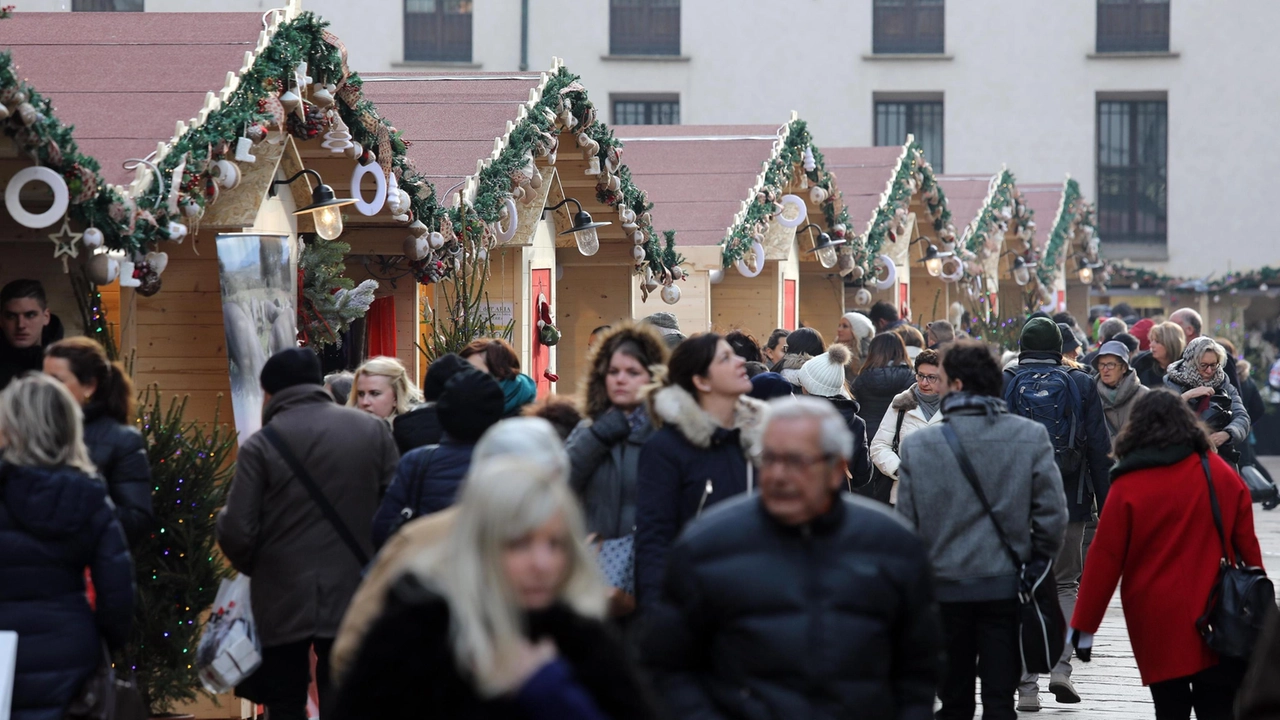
[799,602]
[1041,343]
[428,478]
[26,328]
[271,528]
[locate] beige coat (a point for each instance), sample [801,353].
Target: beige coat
[882,454]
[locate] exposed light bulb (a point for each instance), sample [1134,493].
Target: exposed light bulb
[328,222]
[933,266]
[1086,275]
[588,241]
[827,257]
[1021,275]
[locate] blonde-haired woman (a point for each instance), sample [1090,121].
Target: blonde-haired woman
[55,520]
[382,387]
[1167,343]
[503,619]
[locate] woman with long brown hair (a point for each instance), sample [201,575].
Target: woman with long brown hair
[116,447]
[1158,538]
[885,374]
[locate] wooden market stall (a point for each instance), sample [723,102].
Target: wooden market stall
[523,154]
[893,198]
[1069,242]
[739,196]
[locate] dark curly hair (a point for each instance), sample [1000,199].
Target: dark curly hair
[971,362]
[1161,419]
[641,342]
[744,344]
[928,357]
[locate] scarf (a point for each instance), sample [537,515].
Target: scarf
[1186,372]
[517,392]
[929,404]
[1113,397]
[638,417]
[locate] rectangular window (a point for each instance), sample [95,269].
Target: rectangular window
[646,111]
[106,5]
[908,26]
[1132,170]
[1133,26]
[437,30]
[644,27]
[895,120]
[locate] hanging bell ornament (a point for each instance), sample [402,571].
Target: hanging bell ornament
[322,97]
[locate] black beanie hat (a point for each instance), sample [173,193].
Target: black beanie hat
[1069,340]
[470,403]
[289,367]
[439,372]
[1041,334]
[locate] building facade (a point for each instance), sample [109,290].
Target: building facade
[1158,108]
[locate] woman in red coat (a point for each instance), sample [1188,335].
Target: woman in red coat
[1157,532]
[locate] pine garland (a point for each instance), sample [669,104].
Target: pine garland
[912,174]
[1118,274]
[330,302]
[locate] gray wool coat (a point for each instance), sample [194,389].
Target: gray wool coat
[1013,459]
[303,574]
[603,476]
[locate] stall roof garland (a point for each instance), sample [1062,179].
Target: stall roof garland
[782,171]
[912,174]
[1119,275]
[1075,218]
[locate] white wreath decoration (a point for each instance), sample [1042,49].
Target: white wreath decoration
[890,272]
[36,173]
[802,212]
[505,234]
[954,275]
[758,250]
[369,209]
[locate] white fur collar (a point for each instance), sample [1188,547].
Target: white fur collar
[675,406]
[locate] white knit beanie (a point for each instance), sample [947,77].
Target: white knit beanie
[861,324]
[823,376]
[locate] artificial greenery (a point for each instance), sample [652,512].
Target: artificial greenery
[330,302]
[782,172]
[176,565]
[913,174]
[1119,274]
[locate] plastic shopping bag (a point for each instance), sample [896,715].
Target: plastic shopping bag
[229,650]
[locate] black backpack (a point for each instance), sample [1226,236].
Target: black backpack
[1048,395]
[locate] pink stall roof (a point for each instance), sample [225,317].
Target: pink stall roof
[697,176]
[450,120]
[123,80]
[862,174]
[1043,199]
[965,195]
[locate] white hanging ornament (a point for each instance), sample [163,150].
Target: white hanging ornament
[394,203]
[511,215]
[809,164]
[862,298]
[92,239]
[175,186]
[885,263]
[243,146]
[64,242]
[416,248]
[418,228]
[338,139]
[227,174]
[290,100]
[373,207]
[799,212]
[593,166]
[190,209]
[715,275]
[57,185]
[176,231]
[756,258]
[437,240]
[103,269]
[126,275]
[158,261]
[670,294]
[818,194]
[637,253]
[322,96]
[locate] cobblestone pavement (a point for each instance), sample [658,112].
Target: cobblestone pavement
[1109,686]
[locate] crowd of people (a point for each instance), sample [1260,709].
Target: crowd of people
[714,528]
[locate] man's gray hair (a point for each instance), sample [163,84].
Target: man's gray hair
[1192,317]
[1112,327]
[834,434]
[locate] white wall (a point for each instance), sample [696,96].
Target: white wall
[1019,86]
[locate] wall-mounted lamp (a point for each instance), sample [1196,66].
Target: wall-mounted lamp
[933,258]
[824,247]
[324,206]
[1085,269]
[584,230]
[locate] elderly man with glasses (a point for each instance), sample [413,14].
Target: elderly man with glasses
[798,601]
[912,409]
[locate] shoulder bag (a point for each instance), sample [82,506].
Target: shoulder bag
[316,494]
[1043,629]
[880,486]
[410,510]
[1241,599]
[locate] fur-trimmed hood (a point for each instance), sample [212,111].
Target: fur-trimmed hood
[793,361]
[594,400]
[905,401]
[673,405]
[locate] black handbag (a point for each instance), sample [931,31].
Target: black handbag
[880,486]
[1042,633]
[1241,599]
[410,510]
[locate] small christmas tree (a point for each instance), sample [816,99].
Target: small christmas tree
[330,302]
[468,314]
[177,567]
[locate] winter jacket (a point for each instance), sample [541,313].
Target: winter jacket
[875,390]
[604,459]
[16,361]
[270,529]
[1090,482]
[831,619]
[55,522]
[1149,372]
[882,454]
[427,479]
[1013,459]
[1117,403]
[120,454]
[686,466]
[1157,538]
[860,464]
[1239,426]
[789,366]
[406,668]
[417,428]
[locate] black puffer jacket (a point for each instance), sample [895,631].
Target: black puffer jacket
[15,361]
[875,390]
[428,479]
[832,619]
[860,465]
[53,524]
[417,428]
[1148,370]
[120,454]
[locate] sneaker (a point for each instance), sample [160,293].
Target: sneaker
[1028,701]
[1062,689]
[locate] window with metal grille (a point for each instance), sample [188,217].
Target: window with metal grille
[437,30]
[1132,170]
[895,120]
[106,5]
[644,27]
[662,111]
[1133,26]
[908,26]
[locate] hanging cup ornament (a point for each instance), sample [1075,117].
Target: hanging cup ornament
[628,218]
[176,231]
[638,237]
[192,209]
[92,238]
[715,276]
[857,272]
[103,269]
[27,114]
[670,294]
[862,298]
[677,273]
[227,173]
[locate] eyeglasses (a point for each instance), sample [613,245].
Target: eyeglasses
[792,462]
[1109,366]
[928,378]
[1206,367]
